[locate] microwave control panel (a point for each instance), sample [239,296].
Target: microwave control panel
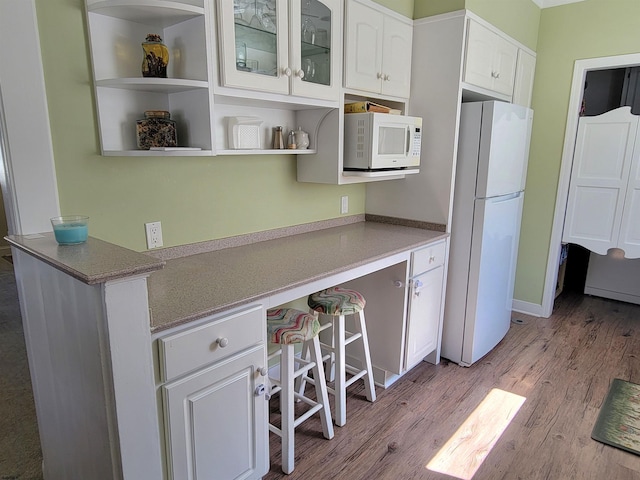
[417,142]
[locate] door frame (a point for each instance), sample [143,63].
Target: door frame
[581,67]
[27,169]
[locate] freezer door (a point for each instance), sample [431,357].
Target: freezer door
[492,268]
[504,149]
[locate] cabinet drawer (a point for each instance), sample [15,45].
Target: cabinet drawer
[185,351]
[427,258]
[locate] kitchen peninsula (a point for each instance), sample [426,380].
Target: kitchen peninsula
[116,338]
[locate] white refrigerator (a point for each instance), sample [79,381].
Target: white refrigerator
[493,150]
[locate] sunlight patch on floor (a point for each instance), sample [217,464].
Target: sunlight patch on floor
[465,451]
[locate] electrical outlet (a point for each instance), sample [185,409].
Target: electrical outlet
[154,234]
[344,204]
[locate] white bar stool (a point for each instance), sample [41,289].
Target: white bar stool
[287,327]
[334,304]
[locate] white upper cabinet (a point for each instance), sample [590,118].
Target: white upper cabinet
[281,46]
[604,195]
[525,72]
[377,56]
[117,29]
[490,60]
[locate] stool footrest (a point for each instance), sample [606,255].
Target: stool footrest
[307,414]
[355,377]
[351,337]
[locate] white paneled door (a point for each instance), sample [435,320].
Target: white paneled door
[603,205]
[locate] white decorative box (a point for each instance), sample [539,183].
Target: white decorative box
[244,132]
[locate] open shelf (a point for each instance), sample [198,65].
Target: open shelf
[157,12]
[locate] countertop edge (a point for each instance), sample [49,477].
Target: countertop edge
[99,269]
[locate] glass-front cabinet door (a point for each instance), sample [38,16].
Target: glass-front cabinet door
[255,44]
[315,48]
[281,46]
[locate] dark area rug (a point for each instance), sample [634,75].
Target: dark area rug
[20,455]
[618,422]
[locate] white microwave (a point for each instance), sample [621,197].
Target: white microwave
[381,141]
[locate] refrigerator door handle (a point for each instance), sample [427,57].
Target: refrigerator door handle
[505,198]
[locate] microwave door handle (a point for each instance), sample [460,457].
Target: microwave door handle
[408,141]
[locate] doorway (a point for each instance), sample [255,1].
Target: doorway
[581,69]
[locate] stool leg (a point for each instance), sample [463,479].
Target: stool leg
[287,367]
[340,374]
[326,337]
[321,388]
[369,387]
[300,382]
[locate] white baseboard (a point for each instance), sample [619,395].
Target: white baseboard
[533,309]
[621,296]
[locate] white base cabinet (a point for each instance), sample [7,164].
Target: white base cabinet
[404,313]
[425,313]
[216,416]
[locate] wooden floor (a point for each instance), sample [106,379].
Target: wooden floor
[562,365]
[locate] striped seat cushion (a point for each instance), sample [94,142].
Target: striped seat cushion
[288,325]
[336,301]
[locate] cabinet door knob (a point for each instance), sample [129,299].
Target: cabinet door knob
[398,284]
[263,371]
[380,75]
[432,259]
[287,71]
[300,73]
[222,342]
[387,78]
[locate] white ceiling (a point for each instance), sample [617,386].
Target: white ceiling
[553,3]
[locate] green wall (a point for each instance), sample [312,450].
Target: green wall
[195,198]
[427,8]
[404,7]
[517,18]
[589,29]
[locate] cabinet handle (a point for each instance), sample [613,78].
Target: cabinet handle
[380,75]
[495,75]
[432,259]
[287,71]
[263,371]
[222,342]
[387,78]
[398,284]
[300,73]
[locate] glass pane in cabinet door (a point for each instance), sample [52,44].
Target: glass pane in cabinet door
[316,42]
[256,36]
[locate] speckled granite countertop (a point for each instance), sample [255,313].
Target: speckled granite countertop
[93,262]
[193,287]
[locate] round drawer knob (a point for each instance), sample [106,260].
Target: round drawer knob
[263,371]
[222,342]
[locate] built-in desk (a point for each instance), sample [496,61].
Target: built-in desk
[92,314]
[277,271]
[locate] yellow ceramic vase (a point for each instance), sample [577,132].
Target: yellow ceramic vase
[156,57]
